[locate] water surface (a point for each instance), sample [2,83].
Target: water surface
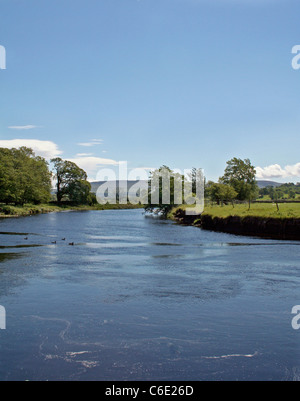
[138,298]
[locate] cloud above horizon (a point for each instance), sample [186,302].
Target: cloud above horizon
[49,150]
[92,164]
[46,149]
[22,127]
[93,142]
[276,171]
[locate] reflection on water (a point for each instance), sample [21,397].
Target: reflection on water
[20,246]
[164,244]
[12,233]
[7,256]
[137,298]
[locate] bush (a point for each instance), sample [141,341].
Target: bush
[7,210]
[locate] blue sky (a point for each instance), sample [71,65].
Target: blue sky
[177,82]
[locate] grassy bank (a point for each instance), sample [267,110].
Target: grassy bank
[286,210]
[261,220]
[268,210]
[7,211]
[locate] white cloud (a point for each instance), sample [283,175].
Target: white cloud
[46,149]
[293,171]
[92,164]
[84,154]
[86,144]
[93,142]
[276,171]
[23,127]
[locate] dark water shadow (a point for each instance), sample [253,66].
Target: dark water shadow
[21,246]
[165,244]
[262,244]
[9,256]
[167,256]
[13,233]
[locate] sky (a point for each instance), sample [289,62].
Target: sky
[183,83]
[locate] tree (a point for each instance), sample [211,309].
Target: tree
[193,177]
[240,174]
[165,190]
[292,194]
[79,191]
[275,195]
[221,193]
[207,189]
[24,177]
[71,182]
[7,178]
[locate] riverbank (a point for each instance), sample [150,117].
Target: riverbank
[260,221]
[8,211]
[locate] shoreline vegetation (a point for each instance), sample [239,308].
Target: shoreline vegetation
[9,211]
[262,220]
[26,182]
[235,204]
[232,204]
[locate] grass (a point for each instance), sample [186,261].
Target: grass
[269,210]
[28,210]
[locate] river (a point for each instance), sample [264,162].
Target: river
[139,298]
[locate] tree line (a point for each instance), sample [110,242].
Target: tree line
[238,183]
[27,178]
[285,191]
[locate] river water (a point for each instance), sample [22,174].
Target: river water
[140,298]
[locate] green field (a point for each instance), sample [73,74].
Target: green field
[268,210]
[264,210]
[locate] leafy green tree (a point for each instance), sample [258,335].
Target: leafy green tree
[71,182]
[272,193]
[240,174]
[277,194]
[165,190]
[79,191]
[24,177]
[292,194]
[7,179]
[221,193]
[208,188]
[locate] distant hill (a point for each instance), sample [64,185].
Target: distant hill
[120,184]
[96,184]
[264,184]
